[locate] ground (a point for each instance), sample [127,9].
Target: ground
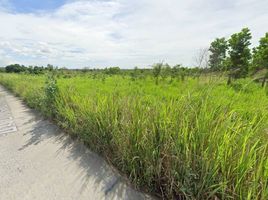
[39,161]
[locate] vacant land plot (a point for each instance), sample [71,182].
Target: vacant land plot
[194,138]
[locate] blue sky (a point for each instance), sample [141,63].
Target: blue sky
[25,6]
[101,33]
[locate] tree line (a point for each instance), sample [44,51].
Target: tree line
[17,68]
[232,56]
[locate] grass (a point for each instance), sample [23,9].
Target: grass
[197,139]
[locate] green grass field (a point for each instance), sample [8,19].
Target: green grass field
[192,139]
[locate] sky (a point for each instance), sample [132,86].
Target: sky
[124,33]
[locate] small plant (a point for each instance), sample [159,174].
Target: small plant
[51,92]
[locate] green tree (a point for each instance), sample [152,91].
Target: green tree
[217,55]
[15,68]
[175,72]
[183,72]
[112,70]
[134,74]
[157,68]
[166,71]
[240,54]
[260,57]
[179,72]
[50,67]
[260,54]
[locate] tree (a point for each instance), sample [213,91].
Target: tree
[85,69]
[260,57]
[183,72]
[134,74]
[50,67]
[240,54]
[157,68]
[15,68]
[166,71]
[175,72]
[217,55]
[112,70]
[38,70]
[260,54]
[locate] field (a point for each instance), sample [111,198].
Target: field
[196,138]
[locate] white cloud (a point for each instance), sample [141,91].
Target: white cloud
[124,33]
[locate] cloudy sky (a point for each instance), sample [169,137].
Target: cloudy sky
[125,33]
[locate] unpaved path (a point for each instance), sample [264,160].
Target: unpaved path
[39,161]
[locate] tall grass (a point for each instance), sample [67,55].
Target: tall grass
[196,139]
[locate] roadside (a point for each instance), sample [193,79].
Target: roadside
[39,161]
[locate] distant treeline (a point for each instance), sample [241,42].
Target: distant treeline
[166,69]
[232,56]
[17,68]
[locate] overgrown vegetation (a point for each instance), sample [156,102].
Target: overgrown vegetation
[181,133]
[185,139]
